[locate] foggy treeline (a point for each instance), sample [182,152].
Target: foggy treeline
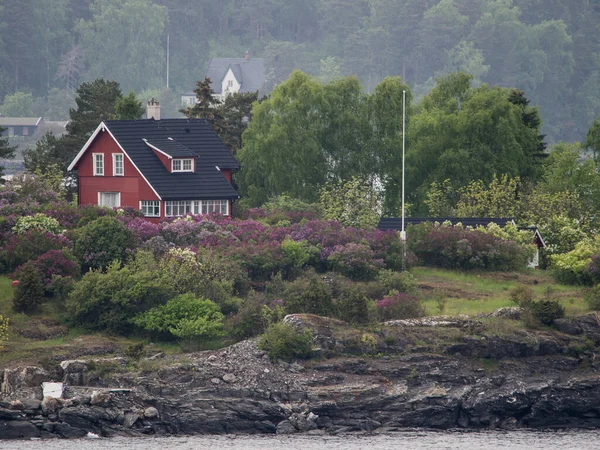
[548,48]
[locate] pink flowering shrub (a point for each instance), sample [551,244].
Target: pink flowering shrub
[51,264]
[400,306]
[143,229]
[356,261]
[28,246]
[458,248]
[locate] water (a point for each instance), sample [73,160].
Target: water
[413,440]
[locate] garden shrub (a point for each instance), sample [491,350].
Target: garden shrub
[353,306]
[546,311]
[108,301]
[356,261]
[184,317]
[29,246]
[592,297]
[574,267]
[453,247]
[283,342]
[157,245]
[101,242]
[29,292]
[522,295]
[397,281]
[143,229]
[310,296]
[400,306]
[254,316]
[56,268]
[40,222]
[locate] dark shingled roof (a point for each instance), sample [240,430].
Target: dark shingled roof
[395,223]
[172,148]
[194,135]
[249,72]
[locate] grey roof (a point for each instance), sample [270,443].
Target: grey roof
[395,223]
[197,137]
[172,148]
[250,73]
[20,121]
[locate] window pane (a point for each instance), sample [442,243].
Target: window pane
[176,164]
[187,164]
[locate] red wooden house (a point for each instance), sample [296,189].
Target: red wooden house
[166,168]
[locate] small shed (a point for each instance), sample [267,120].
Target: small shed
[20,126]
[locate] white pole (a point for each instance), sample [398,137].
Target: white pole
[168,49]
[403,232]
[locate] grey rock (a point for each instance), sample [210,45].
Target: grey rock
[100,398]
[286,427]
[229,378]
[151,413]
[17,429]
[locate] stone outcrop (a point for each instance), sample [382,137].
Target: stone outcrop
[472,379]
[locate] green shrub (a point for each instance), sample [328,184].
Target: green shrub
[592,297]
[184,317]
[283,342]
[353,306]
[522,295]
[546,311]
[397,281]
[108,301]
[29,292]
[248,321]
[296,252]
[311,297]
[399,305]
[103,241]
[39,222]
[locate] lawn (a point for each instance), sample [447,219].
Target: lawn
[454,292]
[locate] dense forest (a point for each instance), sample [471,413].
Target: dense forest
[549,49]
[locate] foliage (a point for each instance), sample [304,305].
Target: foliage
[143,229]
[353,203]
[296,252]
[399,305]
[29,246]
[101,242]
[6,150]
[29,292]
[459,248]
[283,342]
[546,311]
[184,317]
[592,297]
[109,301]
[39,222]
[397,281]
[311,296]
[128,107]
[571,267]
[3,331]
[356,261]
[522,295]
[352,306]
[51,264]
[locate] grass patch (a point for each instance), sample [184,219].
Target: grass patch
[455,292]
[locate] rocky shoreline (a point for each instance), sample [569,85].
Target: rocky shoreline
[459,375]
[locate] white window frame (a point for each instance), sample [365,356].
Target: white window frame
[150,208]
[178,208]
[11,131]
[118,205]
[94,158]
[180,162]
[114,158]
[215,206]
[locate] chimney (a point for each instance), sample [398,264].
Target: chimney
[247,55]
[153,109]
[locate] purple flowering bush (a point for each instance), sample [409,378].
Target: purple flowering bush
[356,261]
[52,265]
[459,248]
[28,246]
[143,229]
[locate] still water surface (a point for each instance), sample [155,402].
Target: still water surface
[413,440]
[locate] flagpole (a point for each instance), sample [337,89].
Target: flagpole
[403,232]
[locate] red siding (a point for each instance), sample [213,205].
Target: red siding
[227,174]
[163,159]
[132,186]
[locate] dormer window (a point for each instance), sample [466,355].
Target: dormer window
[183,165]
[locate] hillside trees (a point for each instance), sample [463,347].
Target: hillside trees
[463,133]
[307,134]
[6,151]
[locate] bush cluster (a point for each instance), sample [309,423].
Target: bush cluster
[283,342]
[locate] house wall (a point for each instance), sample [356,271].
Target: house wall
[132,186]
[163,159]
[227,174]
[225,89]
